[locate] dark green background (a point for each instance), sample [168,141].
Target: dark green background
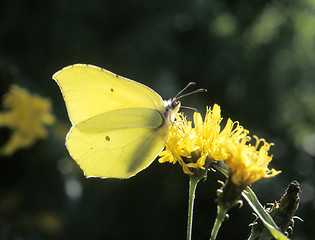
[257,60]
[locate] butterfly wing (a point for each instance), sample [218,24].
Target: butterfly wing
[116,144]
[117,123]
[89,91]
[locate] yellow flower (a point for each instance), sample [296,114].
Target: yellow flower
[26,115]
[197,147]
[248,163]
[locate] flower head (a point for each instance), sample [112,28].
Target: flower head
[26,115]
[198,146]
[248,163]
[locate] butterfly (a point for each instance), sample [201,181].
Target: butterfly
[119,126]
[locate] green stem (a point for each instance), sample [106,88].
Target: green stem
[218,221]
[193,181]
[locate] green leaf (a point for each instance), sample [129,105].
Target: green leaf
[252,200]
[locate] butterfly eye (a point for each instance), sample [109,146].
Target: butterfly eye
[174,103]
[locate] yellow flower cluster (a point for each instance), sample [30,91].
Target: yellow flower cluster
[25,115]
[198,146]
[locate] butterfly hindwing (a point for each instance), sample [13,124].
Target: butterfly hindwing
[118,143]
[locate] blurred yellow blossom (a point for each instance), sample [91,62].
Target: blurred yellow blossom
[25,114]
[198,146]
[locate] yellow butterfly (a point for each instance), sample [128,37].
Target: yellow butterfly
[119,126]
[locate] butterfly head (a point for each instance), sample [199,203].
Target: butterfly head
[171,108]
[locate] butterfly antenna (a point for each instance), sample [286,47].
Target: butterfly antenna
[178,95]
[193,92]
[187,86]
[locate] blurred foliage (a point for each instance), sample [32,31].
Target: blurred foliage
[256,58]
